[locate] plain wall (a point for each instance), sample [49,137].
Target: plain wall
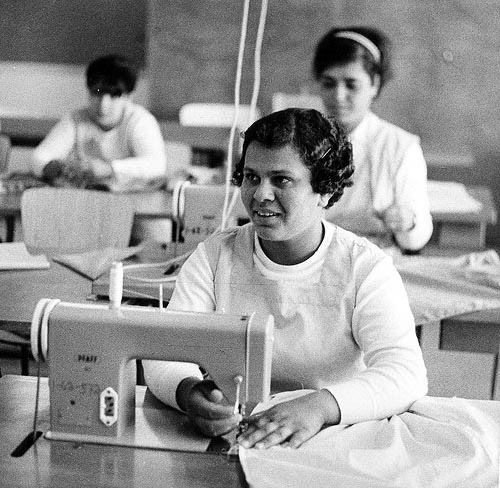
[446,61]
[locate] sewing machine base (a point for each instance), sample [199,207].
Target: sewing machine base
[156,427]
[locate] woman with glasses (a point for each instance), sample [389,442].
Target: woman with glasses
[112,143]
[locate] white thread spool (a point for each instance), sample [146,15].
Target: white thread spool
[115,285]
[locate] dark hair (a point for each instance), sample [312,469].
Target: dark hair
[112,74]
[332,50]
[320,142]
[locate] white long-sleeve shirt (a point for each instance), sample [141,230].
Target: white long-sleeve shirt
[134,148]
[342,319]
[389,169]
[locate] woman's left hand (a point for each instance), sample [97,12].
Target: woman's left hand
[291,423]
[399,218]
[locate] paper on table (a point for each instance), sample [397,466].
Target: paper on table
[14,255]
[450,196]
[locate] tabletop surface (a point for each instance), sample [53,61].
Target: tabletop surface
[22,289]
[57,464]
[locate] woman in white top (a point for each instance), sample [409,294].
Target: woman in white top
[112,143]
[389,195]
[344,332]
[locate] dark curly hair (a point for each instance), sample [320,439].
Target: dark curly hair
[113,74]
[320,142]
[332,51]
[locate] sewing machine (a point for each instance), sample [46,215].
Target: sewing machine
[91,351]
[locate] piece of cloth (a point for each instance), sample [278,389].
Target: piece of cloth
[134,149]
[93,264]
[438,443]
[342,319]
[441,287]
[389,169]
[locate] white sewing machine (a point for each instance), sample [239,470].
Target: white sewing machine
[91,351]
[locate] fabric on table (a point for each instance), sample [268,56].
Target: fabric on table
[440,287]
[438,443]
[93,264]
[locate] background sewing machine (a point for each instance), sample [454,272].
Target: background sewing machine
[196,214]
[91,352]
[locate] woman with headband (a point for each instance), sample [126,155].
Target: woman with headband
[389,195]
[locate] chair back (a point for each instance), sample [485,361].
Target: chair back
[69,220]
[5,148]
[215,115]
[282,101]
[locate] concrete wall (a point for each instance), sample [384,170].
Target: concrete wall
[446,63]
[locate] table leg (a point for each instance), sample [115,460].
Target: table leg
[10,225]
[495,389]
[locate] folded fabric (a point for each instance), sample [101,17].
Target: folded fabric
[440,287]
[93,264]
[438,443]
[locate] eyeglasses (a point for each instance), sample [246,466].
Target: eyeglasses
[113,92]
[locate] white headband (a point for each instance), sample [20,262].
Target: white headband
[364,41]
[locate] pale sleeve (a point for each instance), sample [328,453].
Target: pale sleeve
[411,191]
[193,292]
[147,147]
[384,328]
[57,145]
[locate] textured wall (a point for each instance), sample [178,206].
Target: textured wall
[446,63]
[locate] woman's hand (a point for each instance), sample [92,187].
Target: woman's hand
[206,407]
[399,218]
[101,170]
[291,423]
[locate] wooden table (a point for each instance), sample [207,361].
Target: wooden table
[465,230]
[57,464]
[22,289]
[475,332]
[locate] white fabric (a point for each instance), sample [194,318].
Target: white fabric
[438,443]
[440,287]
[389,168]
[134,148]
[342,319]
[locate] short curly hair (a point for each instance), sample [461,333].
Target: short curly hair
[319,141]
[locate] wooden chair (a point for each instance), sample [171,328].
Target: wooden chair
[61,220]
[24,345]
[68,220]
[215,115]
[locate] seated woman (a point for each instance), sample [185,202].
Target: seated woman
[389,195]
[111,144]
[343,325]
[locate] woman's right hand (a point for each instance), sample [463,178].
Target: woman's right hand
[206,407]
[53,171]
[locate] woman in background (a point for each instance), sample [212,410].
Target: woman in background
[389,195]
[112,143]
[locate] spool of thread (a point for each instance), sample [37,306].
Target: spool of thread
[115,285]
